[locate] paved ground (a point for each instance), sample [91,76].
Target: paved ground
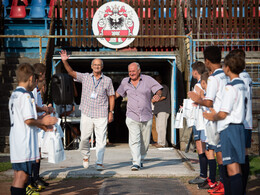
[164,162]
[166,171]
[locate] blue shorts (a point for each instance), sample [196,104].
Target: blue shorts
[24,166]
[198,135]
[248,137]
[233,144]
[216,148]
[210,147]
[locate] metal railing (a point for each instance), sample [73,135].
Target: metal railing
[40,37]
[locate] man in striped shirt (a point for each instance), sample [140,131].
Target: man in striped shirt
[97,107]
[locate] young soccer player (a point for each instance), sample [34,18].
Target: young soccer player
[23,134]
[248,123]
[230,117]
[216,84]
[35,181]
[199,136]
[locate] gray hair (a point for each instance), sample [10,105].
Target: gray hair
[137,64]
[97,59]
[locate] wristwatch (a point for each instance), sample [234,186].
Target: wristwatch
[111,111]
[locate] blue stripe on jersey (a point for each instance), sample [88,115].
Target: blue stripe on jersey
[24,91]
[236,82]
[217,72]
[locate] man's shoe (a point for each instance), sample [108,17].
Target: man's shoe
[29,191]
[85,163]
[135,168]
[99,167]
[197,180]
[141,165]
[207,184]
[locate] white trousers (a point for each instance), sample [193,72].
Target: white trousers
[161,126]
[87,125]
[139,139]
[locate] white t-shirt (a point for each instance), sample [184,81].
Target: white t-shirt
[234,104]
[248,123]
[23,138]
[215,85]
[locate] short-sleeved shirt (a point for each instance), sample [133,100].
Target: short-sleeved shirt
[248,123]
[103,87]
[23,138]
[233,104]
[139,107]
[164,105]
[215,86]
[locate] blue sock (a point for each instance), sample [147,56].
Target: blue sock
[236,184]
[212,170]
[203,165]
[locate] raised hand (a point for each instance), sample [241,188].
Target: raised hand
[63,55]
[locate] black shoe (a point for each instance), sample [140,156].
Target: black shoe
[204,185]
[197,180]
[44,182]
[40,183]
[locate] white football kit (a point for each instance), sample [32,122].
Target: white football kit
[23,138]
[234,103]
[248,123]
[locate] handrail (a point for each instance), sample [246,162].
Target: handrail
[40,37]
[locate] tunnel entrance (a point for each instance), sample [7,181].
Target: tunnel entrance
[116,67]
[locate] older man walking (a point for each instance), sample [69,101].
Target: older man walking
[97,107]
[138,89]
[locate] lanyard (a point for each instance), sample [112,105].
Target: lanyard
[97,83]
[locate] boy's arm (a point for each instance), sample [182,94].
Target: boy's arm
[213,116]
[42,123]
[197,99]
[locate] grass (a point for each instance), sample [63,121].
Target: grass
[254,165]
[4,166]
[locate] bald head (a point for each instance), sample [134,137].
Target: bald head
[134,71]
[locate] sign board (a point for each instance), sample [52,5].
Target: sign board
[115,18]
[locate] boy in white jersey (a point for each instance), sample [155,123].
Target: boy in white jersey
[23,133]
[230,117]
[34,179]
[248,122]
[215,85]
[198,68]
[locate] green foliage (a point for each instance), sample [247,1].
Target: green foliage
[4,166]
[254,165]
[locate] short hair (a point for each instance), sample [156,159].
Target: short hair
[199,66]
[97,59]
[239,52]
[235,63]
[39,69]
[213,54]
[137,64]
[24,72]
[204,76]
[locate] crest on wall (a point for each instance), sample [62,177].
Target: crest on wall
[115,18]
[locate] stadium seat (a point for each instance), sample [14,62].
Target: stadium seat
[17,12]
[37,11]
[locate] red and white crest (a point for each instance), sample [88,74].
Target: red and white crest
[115,18]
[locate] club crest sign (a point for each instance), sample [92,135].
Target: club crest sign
[115,18]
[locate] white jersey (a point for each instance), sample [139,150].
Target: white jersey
[38,100]
[234,104]
[216,84]
[23,138]
[248,123]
